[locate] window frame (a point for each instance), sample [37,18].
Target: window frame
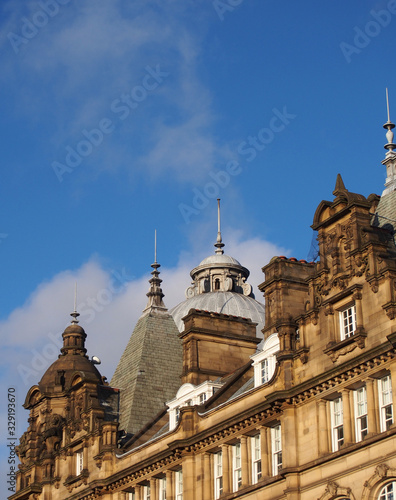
[218,474]
[337,416]
[361,418]
[383,495]
[236,467]
[179,484]
[347,321]
[162,488]
[276,449]
[385,423]
[146,492]
[79,461]
[257,472]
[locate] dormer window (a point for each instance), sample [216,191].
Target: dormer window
[264,361]
[190,395]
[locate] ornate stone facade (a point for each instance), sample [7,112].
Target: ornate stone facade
[319,425]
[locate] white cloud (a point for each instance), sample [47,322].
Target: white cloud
[92,53]
[109,303]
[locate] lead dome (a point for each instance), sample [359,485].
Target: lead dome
[219,284]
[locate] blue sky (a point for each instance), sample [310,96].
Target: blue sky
[118,118]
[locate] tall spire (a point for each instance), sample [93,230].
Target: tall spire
[155,294]
[390,146]
[219,243]
[390,156]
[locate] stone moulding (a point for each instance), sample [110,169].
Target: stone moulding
[337,349]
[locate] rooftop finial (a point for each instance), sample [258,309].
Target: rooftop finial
[390,146]
[155,293]
[75,314]
[219,243]
[155,246]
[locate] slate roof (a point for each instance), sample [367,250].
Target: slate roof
[385,215]
[148,373]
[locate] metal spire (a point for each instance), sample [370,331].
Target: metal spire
[155,294]
[219,243]
[390,146]
[75,314]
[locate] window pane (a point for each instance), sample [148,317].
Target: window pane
[388,492]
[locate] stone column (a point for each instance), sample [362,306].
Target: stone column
[138,492]
[323,431]
[289,438]
[347,422]
[169,485]
[207,479]
[244,460]
[372,421]
[226,468]
[153,488]
[265,452]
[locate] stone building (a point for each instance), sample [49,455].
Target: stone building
[303,410]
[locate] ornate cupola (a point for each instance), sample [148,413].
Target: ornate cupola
[219,284]
[72,423]
[219,272]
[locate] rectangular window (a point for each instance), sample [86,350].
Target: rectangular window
[162,488]
[264,371]
[386,405]
[348,322]
[79,462]
[179,485]
[276,444]
[360,399]
[146,492]
[236,467]
[177,413]
[256,458]
[337,427]
[202,398]
[218,474]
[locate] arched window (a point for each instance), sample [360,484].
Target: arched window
[388,492]
[217,284]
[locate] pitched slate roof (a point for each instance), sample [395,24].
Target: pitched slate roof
[148,373]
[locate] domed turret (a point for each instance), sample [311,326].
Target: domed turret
[72,363]
[219,284]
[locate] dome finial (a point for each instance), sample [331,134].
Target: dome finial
[390,146]
[219,243]
[75,314]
